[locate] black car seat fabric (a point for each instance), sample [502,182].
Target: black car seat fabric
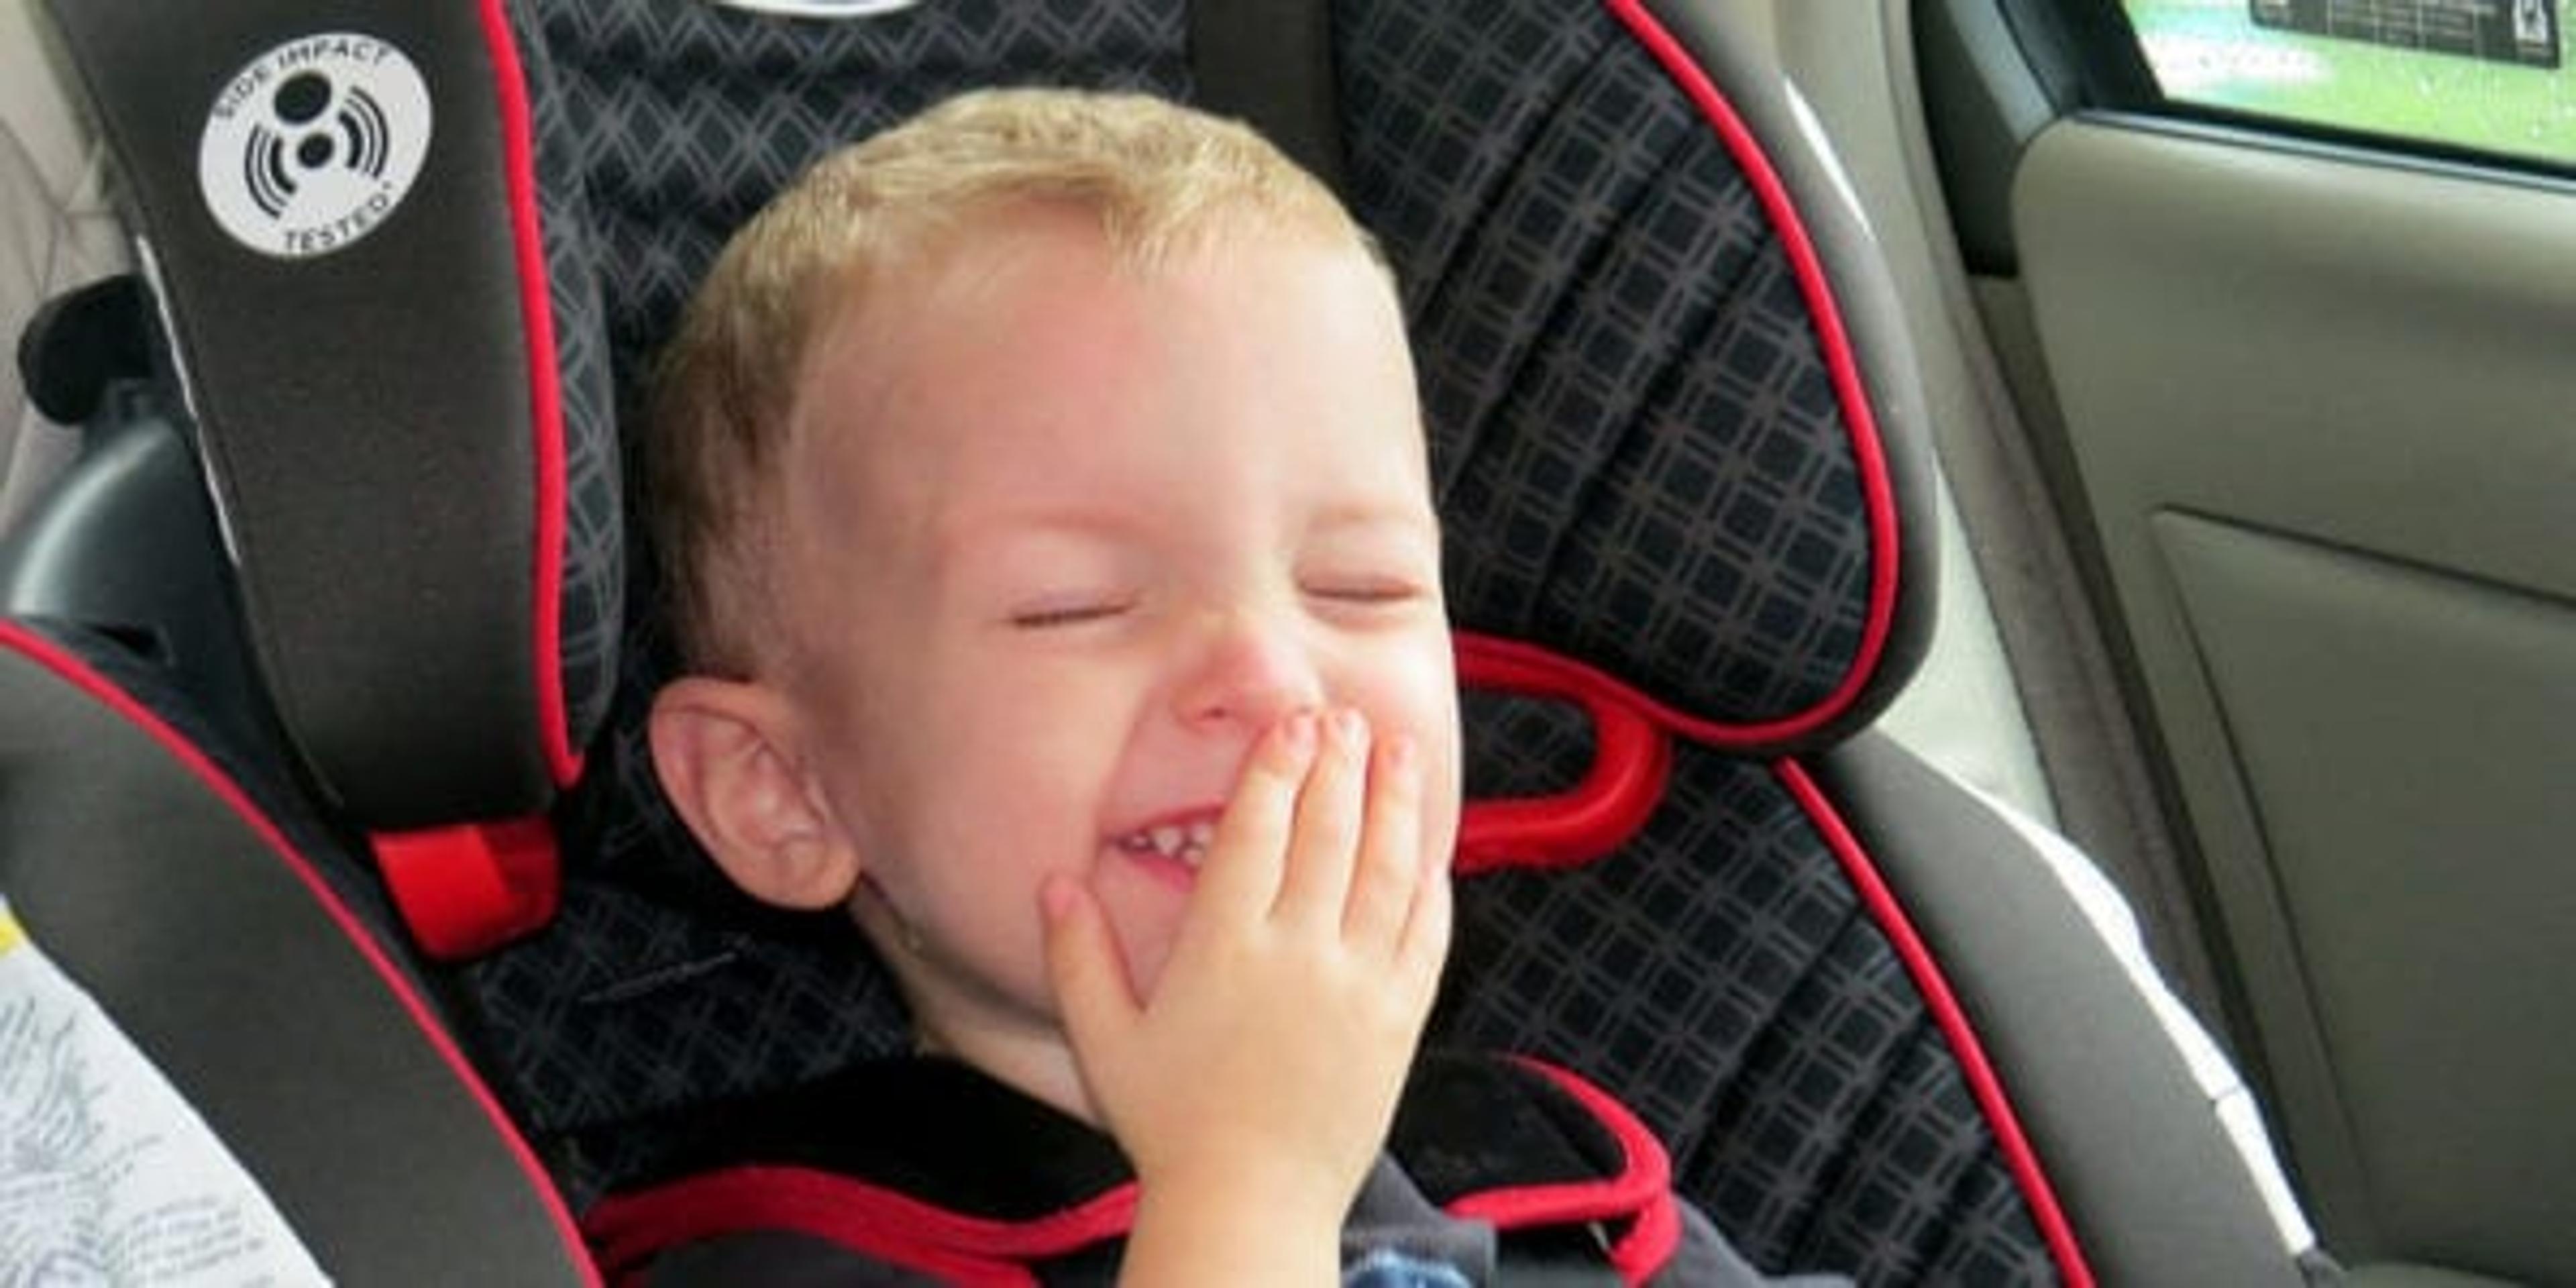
[1673,445]
[231,938]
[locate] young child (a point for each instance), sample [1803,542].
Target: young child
[1045,501]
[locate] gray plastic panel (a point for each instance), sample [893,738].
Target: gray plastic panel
[2373,359]
[2431,907]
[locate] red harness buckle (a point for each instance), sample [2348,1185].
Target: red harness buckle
[468,889]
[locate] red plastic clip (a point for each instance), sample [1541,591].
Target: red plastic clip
[468,889]
[1632,759]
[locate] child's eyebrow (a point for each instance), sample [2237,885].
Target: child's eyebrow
[1403,517]
[975,537]
[1074,520]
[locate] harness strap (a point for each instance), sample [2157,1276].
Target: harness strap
[1271,65]
[626,1232]
[1568,1176]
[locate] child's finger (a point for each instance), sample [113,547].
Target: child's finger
[1085,966]
[1244,859]
[1327,831]
[1389,864]
[1424,946]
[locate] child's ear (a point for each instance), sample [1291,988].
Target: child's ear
[729,760]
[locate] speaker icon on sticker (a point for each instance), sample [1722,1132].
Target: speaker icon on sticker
[314,144]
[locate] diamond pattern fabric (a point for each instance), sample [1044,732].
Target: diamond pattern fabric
[1641,461]
[1719,975]
[593,552]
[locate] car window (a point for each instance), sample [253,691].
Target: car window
[2488,76]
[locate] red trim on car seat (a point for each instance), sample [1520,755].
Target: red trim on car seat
[1878,492]
[1641,1194]
[545,392]
[1953,1019]
[626,1231]
[47,654]
[1631,761]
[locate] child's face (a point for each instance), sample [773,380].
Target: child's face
[1064,539]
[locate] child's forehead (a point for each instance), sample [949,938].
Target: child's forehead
[963,256]
[1023,364]
[982,271]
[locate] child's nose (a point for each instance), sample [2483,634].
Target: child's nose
[1252,673]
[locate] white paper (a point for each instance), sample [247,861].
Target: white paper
[106,1175]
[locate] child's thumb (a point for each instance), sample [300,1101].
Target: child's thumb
[1083,962]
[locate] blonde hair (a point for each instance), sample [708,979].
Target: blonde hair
[1161,179]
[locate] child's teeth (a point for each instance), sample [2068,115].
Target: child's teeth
[1167,839]
[1201,833]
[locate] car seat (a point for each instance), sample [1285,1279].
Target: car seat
[1676,446]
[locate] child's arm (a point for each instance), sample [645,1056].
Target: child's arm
[1255,1089]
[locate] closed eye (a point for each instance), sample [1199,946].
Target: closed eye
[1365,592]
[1059,616]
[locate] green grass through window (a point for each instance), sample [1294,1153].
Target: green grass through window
[2213,52]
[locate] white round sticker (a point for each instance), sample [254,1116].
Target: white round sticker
[313,144]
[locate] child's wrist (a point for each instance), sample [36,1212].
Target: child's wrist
[1274,1192]
[1233,1225]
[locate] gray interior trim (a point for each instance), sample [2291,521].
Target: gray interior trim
[57,232]
[124,544]
[2032,533]
[1981,106]
[1965,692]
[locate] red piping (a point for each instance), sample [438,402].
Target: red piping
[46,654]
[1641,1193]
[1877,491]
[545,393]
[1953,1019]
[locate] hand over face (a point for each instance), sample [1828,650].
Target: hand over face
[1279,1035]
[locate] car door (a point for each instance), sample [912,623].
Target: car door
[2285,291]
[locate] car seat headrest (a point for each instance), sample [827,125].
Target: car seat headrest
[389,340]
[1659,441]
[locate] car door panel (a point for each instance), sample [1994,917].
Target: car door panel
[2317,408]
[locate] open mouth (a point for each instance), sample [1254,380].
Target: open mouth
[1183,842]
